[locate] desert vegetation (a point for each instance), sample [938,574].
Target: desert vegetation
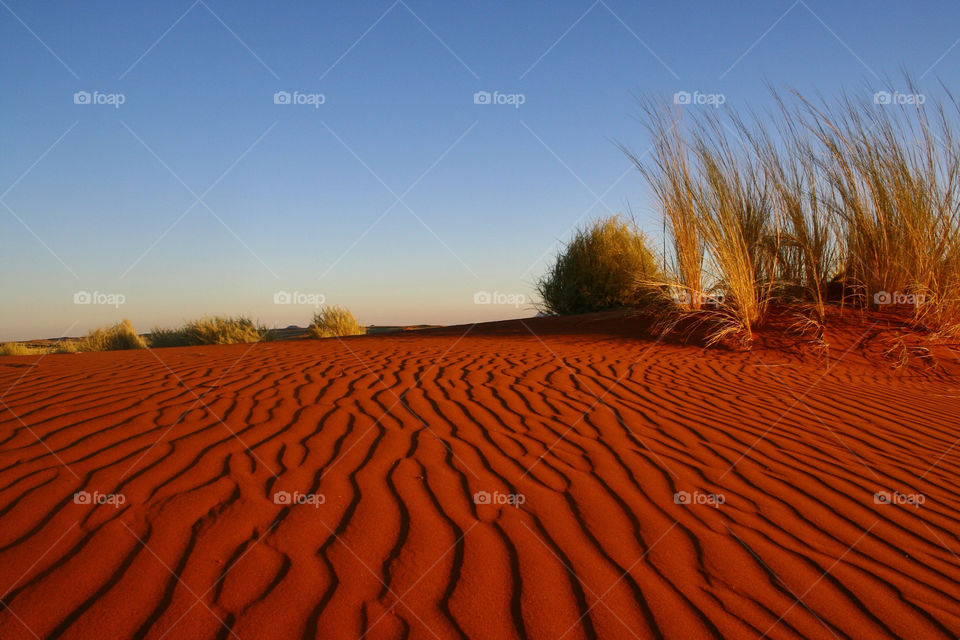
[335,321]
[112,338]
[206,330]
[116,337]
[599,269]
[210,330]
[20,349]
[818,204]
[328,322]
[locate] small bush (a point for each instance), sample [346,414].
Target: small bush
[116,337]
[335,321]
[66,346]
[207,330]
[599,270]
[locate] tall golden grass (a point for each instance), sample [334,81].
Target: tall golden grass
[773,209]
[895,173]
[670,175]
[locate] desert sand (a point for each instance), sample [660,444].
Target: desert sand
[627,488]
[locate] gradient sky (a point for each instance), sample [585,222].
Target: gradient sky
[398,197]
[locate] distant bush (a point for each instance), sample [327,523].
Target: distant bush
[215,330]
[116,337]
[335,321]
[20,349]
[66,346]
[599,269]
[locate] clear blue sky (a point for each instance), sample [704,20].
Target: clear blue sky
[398,197]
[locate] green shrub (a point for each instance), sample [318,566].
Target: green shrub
[335,321]
[599,269]
[207,330]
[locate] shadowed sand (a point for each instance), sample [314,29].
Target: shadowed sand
[596,433]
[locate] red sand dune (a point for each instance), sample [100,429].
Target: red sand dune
[595,430]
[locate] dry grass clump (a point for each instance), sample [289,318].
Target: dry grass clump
[736,224]
[211,330]
[598,269]
[895,172]
[335,321]
[806,252]
[66,345]
[119,336]
[670,174]
[718,212]
[774,209]
[20,349]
